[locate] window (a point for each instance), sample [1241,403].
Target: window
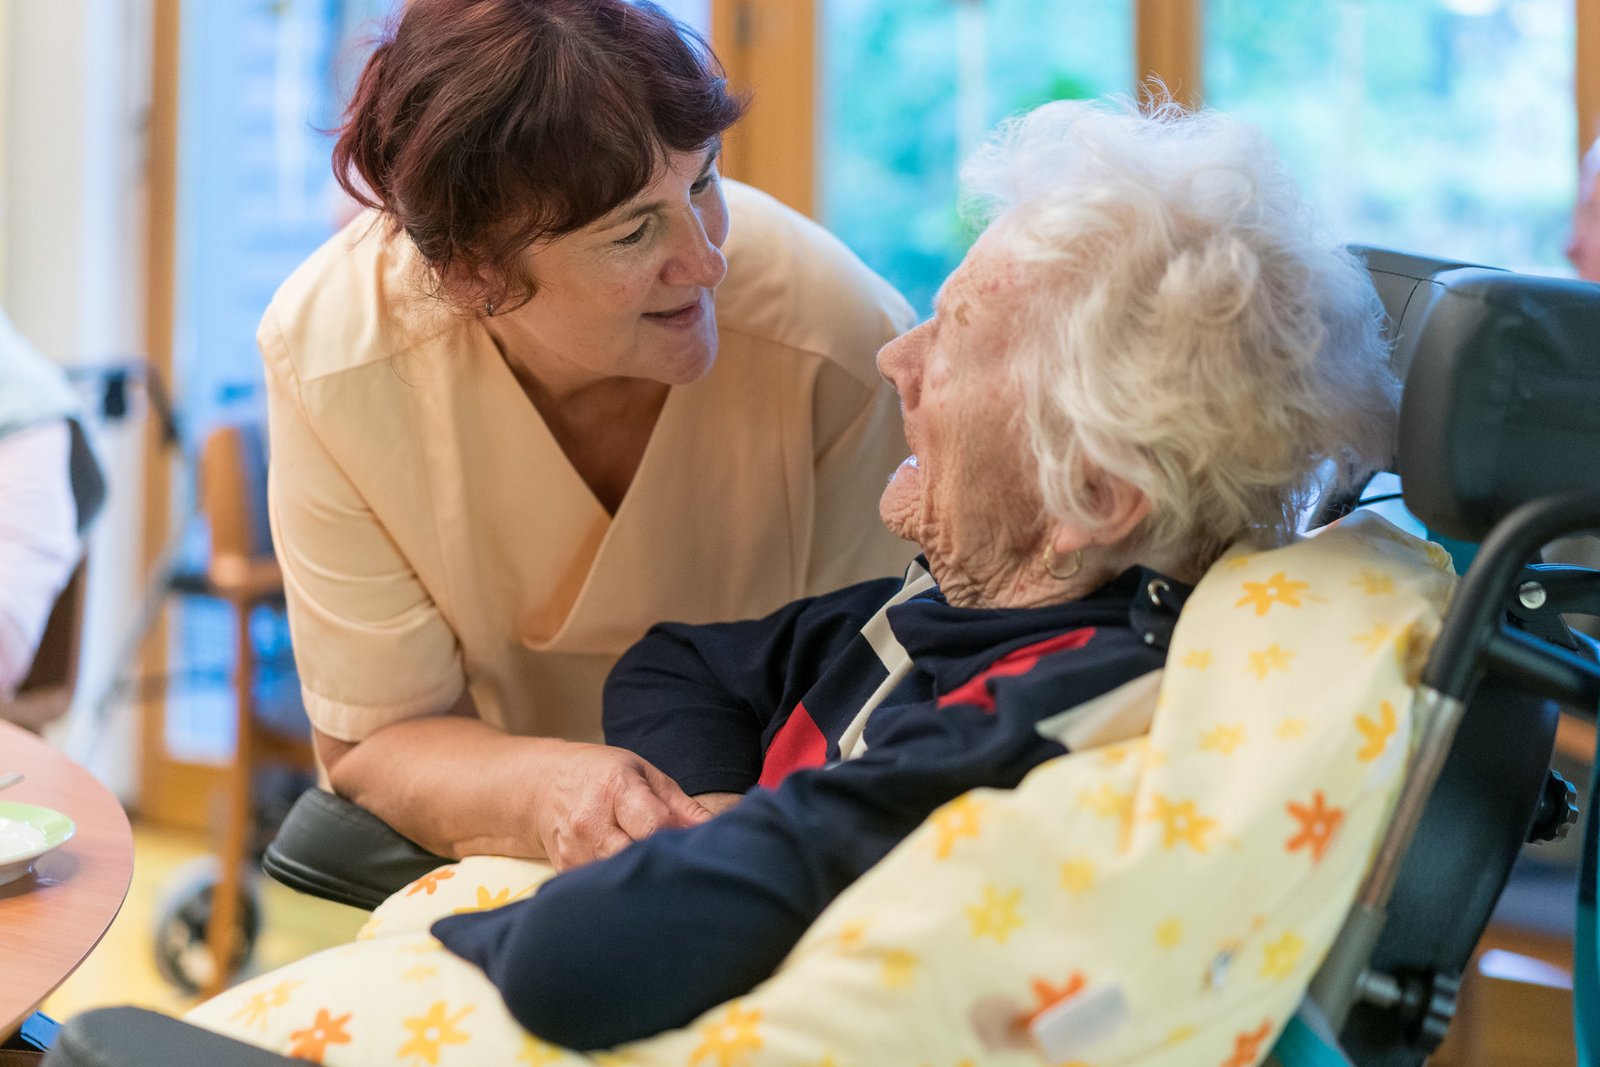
[1442,127]
[910,87]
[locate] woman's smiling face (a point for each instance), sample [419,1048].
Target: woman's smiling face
[630,295]
[967,495]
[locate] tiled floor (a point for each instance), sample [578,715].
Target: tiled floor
[122,969]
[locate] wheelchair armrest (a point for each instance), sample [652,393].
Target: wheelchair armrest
[336,850]
[135,1037]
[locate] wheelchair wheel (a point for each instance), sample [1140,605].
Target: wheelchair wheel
[183,919]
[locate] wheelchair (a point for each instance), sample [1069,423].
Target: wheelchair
[1500,416]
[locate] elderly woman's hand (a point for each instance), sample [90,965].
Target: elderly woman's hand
[593,801]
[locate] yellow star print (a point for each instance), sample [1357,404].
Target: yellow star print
[1181,824]
[487,900]
[1223,739]
[1198,659]
[1375,638]
[959,818]
[257,1005]
[1077,875]
[1376,732]
[430,945]
[420,973]
[899,968]
[1169,933]
[732,1040]
[1107,803]
[1291,729]
[850,936]
[432,1031]
[996,916]
[1275,590]
[1374,583]
[1269,659]
[536,1053]
[1281,956]
[1238,563]
[1179,1035]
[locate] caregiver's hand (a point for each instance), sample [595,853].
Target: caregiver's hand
[593,801]
[459,787]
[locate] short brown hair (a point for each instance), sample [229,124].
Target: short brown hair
[482,126]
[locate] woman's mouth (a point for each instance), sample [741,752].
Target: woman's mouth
[679,317]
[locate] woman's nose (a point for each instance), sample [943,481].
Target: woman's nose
[697,261]
[899,364]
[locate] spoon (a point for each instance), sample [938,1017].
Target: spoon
[10,779]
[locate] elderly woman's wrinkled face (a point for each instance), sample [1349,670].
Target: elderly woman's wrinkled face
[967,495]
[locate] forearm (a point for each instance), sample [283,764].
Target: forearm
[452,784]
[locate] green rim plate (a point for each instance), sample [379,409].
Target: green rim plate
[56,827]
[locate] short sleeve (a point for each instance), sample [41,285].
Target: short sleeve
[370,643]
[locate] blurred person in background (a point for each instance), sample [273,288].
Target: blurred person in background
[562,381]
[50,487]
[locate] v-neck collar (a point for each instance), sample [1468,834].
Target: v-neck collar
[500,376]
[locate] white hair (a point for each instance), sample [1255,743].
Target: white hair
[1187,328]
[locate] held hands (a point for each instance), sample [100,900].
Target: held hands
[592,801]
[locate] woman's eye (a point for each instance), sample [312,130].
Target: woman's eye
[636,236]
[703,184]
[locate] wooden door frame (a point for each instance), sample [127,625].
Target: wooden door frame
[171,790]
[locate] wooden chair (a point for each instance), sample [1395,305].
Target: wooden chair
[242,571]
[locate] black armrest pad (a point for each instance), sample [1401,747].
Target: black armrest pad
[135,1037]
[335,850]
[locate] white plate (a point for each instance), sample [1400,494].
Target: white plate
[28,831]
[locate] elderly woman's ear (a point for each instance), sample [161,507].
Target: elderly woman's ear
[1104,543]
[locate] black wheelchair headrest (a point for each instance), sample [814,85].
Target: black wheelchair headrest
[1502,387]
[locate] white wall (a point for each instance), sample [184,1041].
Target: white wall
[74,91]
[5,51]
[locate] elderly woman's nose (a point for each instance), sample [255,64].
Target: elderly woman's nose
[899,365]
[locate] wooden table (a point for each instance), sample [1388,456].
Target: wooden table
[50,919]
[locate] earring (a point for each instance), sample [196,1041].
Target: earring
[1050,563]
[488,308]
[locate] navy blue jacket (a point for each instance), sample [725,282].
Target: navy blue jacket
[676,924]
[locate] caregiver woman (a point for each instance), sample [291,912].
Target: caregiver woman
[563,383]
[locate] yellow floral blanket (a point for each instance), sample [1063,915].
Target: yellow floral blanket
[1160,896]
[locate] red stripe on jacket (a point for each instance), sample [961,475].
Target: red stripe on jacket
[798,744]
[1018,661]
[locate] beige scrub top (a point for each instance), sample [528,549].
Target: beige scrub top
[433,535]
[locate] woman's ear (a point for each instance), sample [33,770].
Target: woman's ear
[1121,509]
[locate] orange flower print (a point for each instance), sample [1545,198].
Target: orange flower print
[1047,996]
[430,881]
[1247,1046]
[312,1042]
[1318,823]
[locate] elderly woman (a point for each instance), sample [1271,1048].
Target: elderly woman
[562,382]
[1148,355]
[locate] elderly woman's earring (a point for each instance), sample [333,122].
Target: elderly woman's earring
[1062,575]
[488,308]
